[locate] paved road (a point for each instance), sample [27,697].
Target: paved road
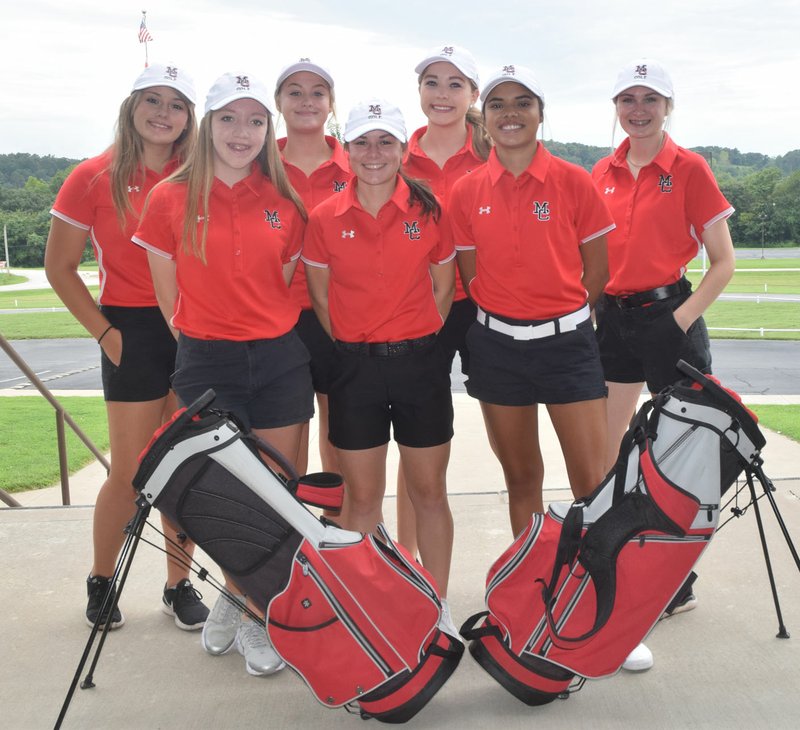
[751,367]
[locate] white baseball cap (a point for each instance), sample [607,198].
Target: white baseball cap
[166,74]
[644,72]
[372,114]
[232,86]
[304,64]
[512,72]
[460,57]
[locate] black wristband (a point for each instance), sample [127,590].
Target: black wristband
[100,339]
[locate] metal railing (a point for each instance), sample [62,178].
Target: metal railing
[62,417]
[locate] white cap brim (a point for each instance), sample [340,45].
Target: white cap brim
[352,134]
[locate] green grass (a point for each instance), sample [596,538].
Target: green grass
[757,282]
[34,298]
[35,325]
[29,447]
[6,279]
[782,419]
[770,315]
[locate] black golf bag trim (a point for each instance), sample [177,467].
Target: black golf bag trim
[581,586]
[353,614]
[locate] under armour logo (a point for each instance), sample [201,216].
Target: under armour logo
[134,189]
[348,234]
[172,72]
[541,210]
[202,218]
[608,191]
[509,71]
[243,82]
[375,109]
[485,210]
[339,186]
[665,183]
[412,230]
[272,218]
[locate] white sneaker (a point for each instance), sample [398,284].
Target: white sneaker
[639,660]
[221,626]
[446,624]
[252,643]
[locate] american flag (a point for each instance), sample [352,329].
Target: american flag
[144,34]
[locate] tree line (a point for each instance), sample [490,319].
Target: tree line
[764,190]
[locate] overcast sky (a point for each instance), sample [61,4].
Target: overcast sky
[66,66]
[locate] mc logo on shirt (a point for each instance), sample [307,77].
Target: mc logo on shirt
[272,218]
[412,230]
[541,210]
[665,183]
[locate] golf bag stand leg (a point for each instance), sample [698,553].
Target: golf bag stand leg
[134,534]
[768,488]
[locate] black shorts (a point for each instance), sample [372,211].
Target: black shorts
[148,355]
[644,344]
[561,368]
[321,348]
[264,383]
[410,393]
[453,335]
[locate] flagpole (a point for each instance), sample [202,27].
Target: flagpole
[144,37]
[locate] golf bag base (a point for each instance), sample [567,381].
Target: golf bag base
[352,614]
[581,586]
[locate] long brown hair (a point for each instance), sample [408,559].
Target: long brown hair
[127,151]
[197,173]
[420,193]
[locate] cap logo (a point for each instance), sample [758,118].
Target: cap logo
[171,73]
[509,71]
[447,51]
[304,60]
[641,71]
[243,82]
[375,110]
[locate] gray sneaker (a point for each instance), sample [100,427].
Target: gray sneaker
[221,626]
[259,656]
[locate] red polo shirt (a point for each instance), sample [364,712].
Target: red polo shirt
[240,293]
[85,201]
[527,233]
[660,216]
[441,179]
[328,179]
[380,287]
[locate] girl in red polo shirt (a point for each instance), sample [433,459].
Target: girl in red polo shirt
[380,270]
[317,167]
[102,198]
[667,205]
[453,143]
[223,235]
[530,230]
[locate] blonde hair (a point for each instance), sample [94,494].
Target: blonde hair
[127,151]
[197,173]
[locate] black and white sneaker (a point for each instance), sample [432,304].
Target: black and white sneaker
[96,587]
[184,604]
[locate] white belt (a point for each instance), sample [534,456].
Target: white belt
[567,323]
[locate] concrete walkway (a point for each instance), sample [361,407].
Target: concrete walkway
[719,666]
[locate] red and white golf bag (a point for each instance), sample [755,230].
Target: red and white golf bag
[354,615]
[585,583]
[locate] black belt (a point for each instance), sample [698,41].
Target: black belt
[387,349]
[682,286]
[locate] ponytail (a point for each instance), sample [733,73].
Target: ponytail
[421,194]
[481,141]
